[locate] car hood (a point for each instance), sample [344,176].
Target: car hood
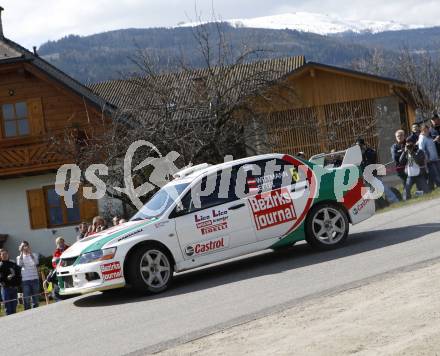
[99,240]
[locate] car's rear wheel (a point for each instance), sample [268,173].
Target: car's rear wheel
[326,226]
[150,269]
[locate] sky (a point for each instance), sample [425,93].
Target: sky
[32,22]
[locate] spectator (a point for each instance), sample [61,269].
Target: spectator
[9,281]
[336,159]
[82,230]
[28,261]
[434,131]
[396,151]
[98,225]
[414,161]
[427,144]
[60,248]
[369,155]
[415,132]
[115,220]
[301,155]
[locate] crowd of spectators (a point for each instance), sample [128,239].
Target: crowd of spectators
[23,275]
[416,157]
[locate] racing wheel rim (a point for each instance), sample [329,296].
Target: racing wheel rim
[328,225]
[155,268]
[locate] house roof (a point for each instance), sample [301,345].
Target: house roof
[237,79]
[354,73]
[11,52]
[123,93]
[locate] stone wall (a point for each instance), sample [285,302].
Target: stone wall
[387,121]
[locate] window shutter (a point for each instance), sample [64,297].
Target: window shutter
[36,116]
[88,208]
[37,209]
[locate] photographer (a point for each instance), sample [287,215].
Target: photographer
[414,161]
[98,225]
[9,281]
[28,261]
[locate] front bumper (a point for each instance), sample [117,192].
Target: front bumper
[90,277]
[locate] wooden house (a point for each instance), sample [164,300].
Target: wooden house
[37,102]
[307,106]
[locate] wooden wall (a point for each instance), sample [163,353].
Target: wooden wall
[318,110]
[51,109]
[318,87]
[322,128]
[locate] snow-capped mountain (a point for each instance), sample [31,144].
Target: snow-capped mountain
[316,23]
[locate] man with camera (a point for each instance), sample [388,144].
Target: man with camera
[28,261]
[414,161]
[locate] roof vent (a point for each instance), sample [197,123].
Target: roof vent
[1,23]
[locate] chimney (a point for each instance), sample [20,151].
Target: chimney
[1,24]
[35,50]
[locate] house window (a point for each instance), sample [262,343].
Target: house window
[47,209]
[57,212]
[15,119]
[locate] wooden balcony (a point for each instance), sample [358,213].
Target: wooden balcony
[27,155]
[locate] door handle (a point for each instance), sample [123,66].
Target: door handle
[238,206]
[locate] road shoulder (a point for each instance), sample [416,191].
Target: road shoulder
[395,314]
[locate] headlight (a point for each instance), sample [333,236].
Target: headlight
[98,255]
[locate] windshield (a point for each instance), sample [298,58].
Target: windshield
[160,202]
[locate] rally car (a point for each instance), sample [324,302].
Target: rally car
[211,213]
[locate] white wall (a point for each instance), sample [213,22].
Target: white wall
[14,216]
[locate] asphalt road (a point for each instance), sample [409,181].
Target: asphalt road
[209,299]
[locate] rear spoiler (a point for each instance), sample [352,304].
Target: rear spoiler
[351,156]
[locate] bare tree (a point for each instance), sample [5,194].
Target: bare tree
[203,114]
[421,71]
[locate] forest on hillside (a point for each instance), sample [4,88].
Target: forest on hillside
[113,54]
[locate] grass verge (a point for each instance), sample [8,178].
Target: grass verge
[425,197]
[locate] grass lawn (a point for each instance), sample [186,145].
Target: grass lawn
[433,195]
[20,307]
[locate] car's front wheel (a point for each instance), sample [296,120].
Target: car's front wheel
[326,226]
[150,269]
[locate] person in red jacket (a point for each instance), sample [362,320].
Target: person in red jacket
[61,247]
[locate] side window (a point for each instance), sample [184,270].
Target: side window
[287,174]
[273,174]
[220,192]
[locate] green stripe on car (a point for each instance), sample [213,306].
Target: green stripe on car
[97,245]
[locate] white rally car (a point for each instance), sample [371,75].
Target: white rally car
[214,213]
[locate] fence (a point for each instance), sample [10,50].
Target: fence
[20,298]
